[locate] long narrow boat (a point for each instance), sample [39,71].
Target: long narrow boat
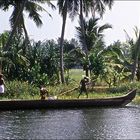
[71,103]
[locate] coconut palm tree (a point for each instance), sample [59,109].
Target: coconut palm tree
[71,7]
[85,7]
[17,17]
[93,37]
[93,32]
[95,6]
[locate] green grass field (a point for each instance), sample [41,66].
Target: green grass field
[76,74]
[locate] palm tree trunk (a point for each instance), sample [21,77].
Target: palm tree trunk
[134,69]
[15,26]
[25,31]
[83,32]
[61,43]
[138,71]
[27,42]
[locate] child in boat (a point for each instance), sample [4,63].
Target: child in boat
[2,83]
[44,93]
[83,85]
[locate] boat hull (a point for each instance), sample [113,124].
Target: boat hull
[73,103]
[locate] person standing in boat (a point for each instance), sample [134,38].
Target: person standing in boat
[2,83]
[83,86]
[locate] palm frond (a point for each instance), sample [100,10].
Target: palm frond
[109,3]
[73,7]
[99,7]
[5,4]
[60,4]
[102,28]
[33,14]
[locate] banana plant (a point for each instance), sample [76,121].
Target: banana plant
[134,53]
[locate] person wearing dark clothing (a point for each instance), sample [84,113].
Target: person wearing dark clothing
[83,86]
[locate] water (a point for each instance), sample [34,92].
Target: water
[97,123]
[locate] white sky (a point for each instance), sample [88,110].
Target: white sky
[124,15]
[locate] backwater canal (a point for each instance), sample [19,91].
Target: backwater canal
[96,123]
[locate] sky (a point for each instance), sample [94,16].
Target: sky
[125,15]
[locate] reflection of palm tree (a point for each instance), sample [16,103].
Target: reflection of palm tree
[17,17]
[65,6]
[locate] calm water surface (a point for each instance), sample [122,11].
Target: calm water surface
[97,123]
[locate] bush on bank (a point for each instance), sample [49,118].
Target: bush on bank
[18,89]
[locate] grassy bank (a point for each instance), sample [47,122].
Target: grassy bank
[23,90]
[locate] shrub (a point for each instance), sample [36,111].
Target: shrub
[19,89]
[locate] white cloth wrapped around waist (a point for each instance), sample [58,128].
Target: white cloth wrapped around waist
[1,88]
[52,98]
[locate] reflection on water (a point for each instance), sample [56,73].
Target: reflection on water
[97,123]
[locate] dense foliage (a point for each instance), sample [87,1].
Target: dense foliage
[25,62]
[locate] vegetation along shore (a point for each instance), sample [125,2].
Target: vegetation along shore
[59,64]
[24,90]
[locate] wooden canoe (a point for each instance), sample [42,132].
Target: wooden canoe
[71,103]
